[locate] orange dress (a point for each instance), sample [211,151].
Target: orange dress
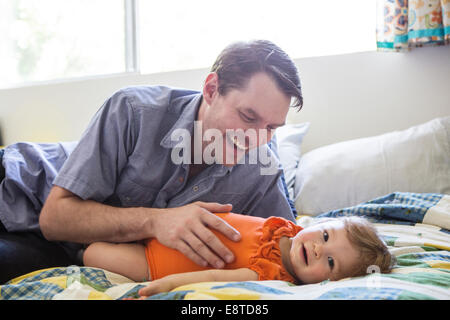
[257,250]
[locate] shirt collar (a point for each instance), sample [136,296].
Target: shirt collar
[185,121]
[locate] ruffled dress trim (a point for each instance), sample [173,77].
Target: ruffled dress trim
[267,259]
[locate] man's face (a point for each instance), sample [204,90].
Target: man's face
[322,252]
[257,110]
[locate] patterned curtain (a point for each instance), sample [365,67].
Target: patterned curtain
[403,24]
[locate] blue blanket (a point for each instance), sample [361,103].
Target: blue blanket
[404,208]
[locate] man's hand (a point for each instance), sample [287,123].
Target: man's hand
[186,229]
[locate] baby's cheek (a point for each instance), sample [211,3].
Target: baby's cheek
[320,274]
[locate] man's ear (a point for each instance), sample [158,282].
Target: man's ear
[211,88]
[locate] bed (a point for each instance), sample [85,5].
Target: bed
[399,180]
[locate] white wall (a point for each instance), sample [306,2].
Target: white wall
[364,94]
[61,111]
[346,96]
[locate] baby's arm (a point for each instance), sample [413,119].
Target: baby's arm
[175,280]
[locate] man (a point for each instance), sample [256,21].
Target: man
[122,182]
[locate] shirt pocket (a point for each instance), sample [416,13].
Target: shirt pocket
[132,194]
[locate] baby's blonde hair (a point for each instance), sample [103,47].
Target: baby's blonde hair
[374,255]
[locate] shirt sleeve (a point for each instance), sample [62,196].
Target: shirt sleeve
[94,166]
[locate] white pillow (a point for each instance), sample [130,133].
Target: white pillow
[289,138]
[351,172]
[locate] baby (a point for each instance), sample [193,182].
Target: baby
[270,249]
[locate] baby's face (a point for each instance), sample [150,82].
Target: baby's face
[322,252]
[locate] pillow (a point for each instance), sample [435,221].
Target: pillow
[289,138]
[351,172]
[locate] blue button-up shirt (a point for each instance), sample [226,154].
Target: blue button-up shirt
[124,159]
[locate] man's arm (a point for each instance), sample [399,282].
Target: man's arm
[66,217]
[175,280]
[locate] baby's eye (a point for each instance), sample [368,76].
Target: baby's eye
[330,262]
[325,236]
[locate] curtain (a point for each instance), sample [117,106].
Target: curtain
[403,24]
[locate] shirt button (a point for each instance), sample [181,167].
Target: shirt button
[195,188]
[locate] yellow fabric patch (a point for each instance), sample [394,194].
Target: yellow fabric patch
[439,264]
[415,270]
[202,290]
[59,281]
[31,274]
[223,294]
[96,295]
[197,286]
[437,245]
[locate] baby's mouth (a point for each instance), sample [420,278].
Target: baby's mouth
[305,255]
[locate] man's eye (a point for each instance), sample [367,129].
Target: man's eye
[246,118]
[325,236]
[330,262]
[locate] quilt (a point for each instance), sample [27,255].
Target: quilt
[415,226]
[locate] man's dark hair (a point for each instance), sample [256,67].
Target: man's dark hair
[238,62]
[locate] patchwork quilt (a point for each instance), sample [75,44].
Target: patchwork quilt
[415,226]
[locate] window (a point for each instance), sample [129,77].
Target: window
[54,39]
[177,34]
